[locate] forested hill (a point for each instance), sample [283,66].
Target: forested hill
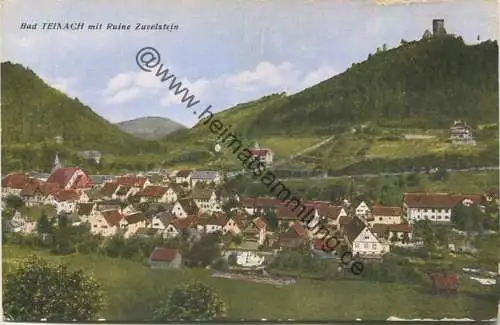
[33,112]
[421,84]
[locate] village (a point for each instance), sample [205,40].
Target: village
[197,202]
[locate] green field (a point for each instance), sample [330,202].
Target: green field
[457,182]
[132,291]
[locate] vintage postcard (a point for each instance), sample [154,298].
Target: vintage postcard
[292,161]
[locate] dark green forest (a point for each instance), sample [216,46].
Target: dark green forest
[420,84]
[33,112]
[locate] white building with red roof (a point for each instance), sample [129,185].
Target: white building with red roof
[386,215]
[133,181]
[159,194]
[434,207]
[265,155]
[14,183]
[70,178]
[66,201]
[105,223]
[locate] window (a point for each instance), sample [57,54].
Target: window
[374,246]
[365,245]
[367,237]
[356,245]
[380,218]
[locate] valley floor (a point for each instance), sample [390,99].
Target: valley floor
[133,291]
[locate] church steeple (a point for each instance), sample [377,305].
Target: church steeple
[57,163]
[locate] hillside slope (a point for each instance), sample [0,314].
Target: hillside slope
[33,112]
[150,128]
[423,85]
[420,84]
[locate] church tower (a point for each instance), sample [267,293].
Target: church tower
[57,163]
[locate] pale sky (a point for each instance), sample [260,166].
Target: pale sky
[226,51]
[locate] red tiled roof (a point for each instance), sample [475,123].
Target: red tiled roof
[112,217]
[260,223]
[345,220]
[109,188]
[189,206]
[162,254]
[386,211]
[184,173]
[135,218]
[354,228]
[67,195]
[82,181]
[32,187]
[380,228]
[132,180]
[153,191]
[326,210]
[15,181]
[62,176]
[299,229]
[431,200]
[184,223]
[50,188]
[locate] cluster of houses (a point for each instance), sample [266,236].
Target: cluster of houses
[192,203]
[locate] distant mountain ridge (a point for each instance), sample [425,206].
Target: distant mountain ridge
[150,128]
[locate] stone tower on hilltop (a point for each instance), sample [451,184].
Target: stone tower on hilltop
[438,27]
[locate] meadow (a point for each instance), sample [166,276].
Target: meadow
[132,292]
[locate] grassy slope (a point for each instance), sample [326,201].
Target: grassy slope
[423,85]
[132,290]
[460,182]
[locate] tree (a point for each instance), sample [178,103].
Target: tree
[193,301]
[14,202]
[271,219]
[205,251]
[406,238]
[237,240]
[36,290]
[43,225]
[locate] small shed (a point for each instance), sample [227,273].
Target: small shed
[165,258]
[445,283]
